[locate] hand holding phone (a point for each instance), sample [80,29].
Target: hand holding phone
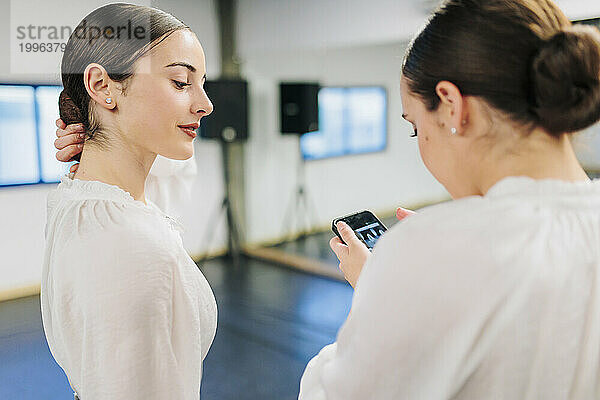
[351,251]
[353,244]
[367,227]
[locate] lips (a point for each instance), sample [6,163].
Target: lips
[190,129]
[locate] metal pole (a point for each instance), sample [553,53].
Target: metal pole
[233,152]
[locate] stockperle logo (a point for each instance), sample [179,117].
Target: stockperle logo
[40,30]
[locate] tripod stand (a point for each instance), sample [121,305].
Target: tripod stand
[299,199]
[233,233]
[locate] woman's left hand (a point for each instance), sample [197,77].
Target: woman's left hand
[352,256]
[69,142]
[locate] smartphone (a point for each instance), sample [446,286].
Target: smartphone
[367,227]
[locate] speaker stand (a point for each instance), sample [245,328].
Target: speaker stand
[300,209]
[233,234]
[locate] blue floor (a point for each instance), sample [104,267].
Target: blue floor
[272,321]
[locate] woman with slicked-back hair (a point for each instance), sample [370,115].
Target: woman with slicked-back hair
[126,312]
[495,294]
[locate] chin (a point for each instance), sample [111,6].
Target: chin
[182,153]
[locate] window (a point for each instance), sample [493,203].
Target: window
[352,120]
[27,134]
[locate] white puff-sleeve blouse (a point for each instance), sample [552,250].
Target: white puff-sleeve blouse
[485,297]
[170,183]
[126,312]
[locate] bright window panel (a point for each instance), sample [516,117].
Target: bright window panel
[367,128]
[352,120]
[51,168]
[328,141]
[18,138]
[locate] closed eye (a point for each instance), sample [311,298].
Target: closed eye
[180,85]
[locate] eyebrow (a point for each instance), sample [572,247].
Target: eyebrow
[182,64]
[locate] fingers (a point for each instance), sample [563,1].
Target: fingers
[69,129]
[74,167]
[67,140]
[402,213]
[339,248]
[69,152]
[348,234]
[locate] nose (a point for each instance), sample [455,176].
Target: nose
[202,106]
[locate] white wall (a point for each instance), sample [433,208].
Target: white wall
[378,181]
[23,208]
[271,25]
[587,148]
[579,9]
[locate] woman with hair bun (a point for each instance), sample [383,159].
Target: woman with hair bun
[496,294]
[126,312]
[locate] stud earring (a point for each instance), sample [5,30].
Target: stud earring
[453,130]
[108,100]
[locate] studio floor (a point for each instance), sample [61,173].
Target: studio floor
[272,321]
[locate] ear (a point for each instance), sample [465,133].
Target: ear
[96,81]
[452,109]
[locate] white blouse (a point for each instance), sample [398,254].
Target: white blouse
[485,297]
[126,312]
[169,184]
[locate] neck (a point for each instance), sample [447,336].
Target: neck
[123,165]
[544,157]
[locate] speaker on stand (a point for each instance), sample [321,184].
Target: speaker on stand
[299,114]
[228,123]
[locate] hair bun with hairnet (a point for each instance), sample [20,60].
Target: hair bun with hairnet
[68,110]
[565,76]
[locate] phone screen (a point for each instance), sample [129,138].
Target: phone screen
[366,226]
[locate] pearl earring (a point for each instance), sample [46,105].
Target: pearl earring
[453,130]
[108,100]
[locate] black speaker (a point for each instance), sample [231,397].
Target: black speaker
[229,119]
[299,107]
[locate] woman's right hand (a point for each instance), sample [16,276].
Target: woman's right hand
[69,142]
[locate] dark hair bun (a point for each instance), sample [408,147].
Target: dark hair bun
[565,76]
[68,110]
